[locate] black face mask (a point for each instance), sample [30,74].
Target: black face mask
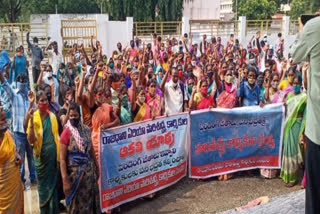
[210,74]
[165,59]
[49,97]
[74,122]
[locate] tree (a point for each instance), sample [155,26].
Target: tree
[10,10]
[256,9]
[297,7]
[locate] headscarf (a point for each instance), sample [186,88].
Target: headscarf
[4,60]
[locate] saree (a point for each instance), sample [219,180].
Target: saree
[228,98]
[156,104]
[11,189]
[84,195]
[294,127]
[47,171]
[125,116]
[203,102]
[100,116]
[143,113]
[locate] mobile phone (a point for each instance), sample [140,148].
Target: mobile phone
[306,18]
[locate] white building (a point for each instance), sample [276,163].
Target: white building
[201,9]
[226,12]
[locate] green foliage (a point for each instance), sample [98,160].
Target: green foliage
[10,10]
[299,7]
[256,9]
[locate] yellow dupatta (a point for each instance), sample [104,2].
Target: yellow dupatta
[38,131]
[7,147]
[141,113]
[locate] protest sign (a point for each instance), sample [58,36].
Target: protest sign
[142,158]
[229,140]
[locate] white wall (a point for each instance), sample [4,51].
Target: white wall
[202,9]
[117,31]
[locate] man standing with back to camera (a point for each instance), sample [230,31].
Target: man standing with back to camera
[307,48]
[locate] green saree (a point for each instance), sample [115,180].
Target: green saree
[46,168]
[294,127]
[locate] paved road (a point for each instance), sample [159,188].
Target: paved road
[293,203]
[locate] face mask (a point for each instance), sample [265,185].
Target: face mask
[190,88]
[252,61]
[251,81]
[43,107]
[105,61]
[111,65]
[48,74]
[142,99]
[132,45]
[36,44]
[193,63]
[124,101]
[75,122]
[70,71]
[204,90]
[165,59]
[274,85]
[49,97]
[297,89]
[279,56]
[290,79]
[22,87]
[228,79]
[151,62]
[260,82]
[210,74]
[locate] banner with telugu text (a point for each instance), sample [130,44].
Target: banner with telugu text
[142,158]
[230,140]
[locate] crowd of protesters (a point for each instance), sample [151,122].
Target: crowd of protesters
[56,121]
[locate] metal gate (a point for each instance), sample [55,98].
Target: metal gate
[78,31]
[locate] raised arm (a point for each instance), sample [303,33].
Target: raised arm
[28,41]
[164,80]
[40,78]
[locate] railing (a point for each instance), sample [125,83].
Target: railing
[13,35]
[293,27]
[213,28]
[264,26]
[160,28]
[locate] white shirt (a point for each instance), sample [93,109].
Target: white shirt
[55,60]
[173,98]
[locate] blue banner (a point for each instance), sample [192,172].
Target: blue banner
[142,158]
[229,140]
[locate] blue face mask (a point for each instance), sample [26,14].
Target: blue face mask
[22,87]
[111,65]
[297,89]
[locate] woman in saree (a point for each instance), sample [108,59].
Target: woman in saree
[226,98]
[294,129]
[78,165]
[124,106]
[153,99]
[272,95]
[11,188]
[43,135]
[201,100]
[104,116]
[226,91]
[286,83]
[140,109]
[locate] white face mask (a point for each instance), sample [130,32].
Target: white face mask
[193,63]
[151,62]
[49,74]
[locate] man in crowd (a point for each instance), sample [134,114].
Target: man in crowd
[37,57]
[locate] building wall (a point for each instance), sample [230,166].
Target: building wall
[202,9]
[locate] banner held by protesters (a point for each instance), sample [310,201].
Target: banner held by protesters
[225,141]
[142,158]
